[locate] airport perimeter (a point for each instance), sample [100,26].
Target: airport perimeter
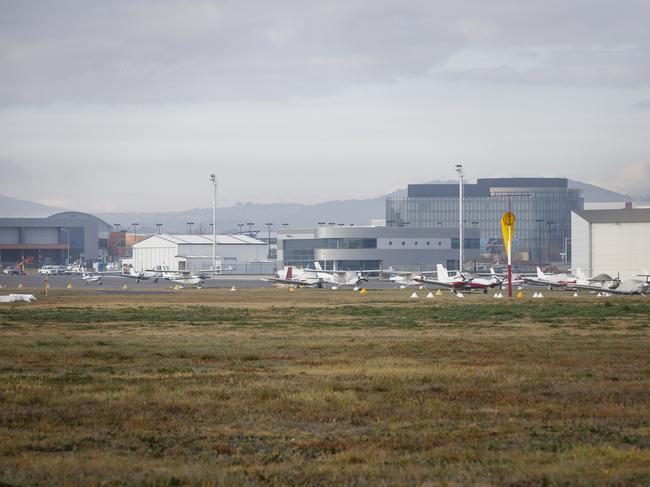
[267,386]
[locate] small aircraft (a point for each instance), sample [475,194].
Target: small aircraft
[563,280]
[337,278]
[90,277]
[612,285]
[302,278]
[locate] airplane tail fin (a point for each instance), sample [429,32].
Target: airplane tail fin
[443,275]
[540,274]
[317,266]
[580,274]
[492,272]
[289,273]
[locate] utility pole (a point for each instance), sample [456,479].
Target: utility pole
[250,229]
[459,170]
[159,228]
[268,255]
[135,239]
[213,180]
[189,225]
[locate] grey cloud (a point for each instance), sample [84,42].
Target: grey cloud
[174,51]
[642,105]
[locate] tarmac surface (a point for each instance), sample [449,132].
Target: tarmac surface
[118,282]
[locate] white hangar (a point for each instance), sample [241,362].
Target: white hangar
[614,242]
[194,253]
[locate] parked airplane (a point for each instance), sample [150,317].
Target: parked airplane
[337,278]
[563,280]
[612,285]
[91,278]
[301,279]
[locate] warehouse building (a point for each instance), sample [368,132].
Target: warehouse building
[245,254]
[374,247]
[614,242]
[542,207]
[68,236]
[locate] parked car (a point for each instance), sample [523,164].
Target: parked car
[49,269]
[14,271]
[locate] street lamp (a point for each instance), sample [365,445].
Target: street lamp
[189,225]
[269,225]
[67,234]
[117,230]
[241,228]
[459,170]
[213,180]
[250,229]
[135,236]
[159,228]
[285,225]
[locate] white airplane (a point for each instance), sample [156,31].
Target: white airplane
[90,277]
[337,278]
[563,280]
[612,285]
[301,278]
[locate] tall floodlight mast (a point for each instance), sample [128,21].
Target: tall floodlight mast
[459,170]
[213,180]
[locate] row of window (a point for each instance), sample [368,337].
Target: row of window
[428,243]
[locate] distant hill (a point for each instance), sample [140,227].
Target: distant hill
[357,212]
[15,208]
[596,194]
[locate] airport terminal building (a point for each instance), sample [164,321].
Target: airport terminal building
[542,207]
[374,247]
[49,240]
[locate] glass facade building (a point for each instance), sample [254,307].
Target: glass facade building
[542,207]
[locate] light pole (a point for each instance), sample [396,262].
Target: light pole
[67,234]
[189,226]
[241,228]
[539,240]
[117,230]
[213,180]
[548,241]
[250,229]
[135,236]
[459,170]
[159,228]
[269,225]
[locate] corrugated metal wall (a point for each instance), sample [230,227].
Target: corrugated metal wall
[41,235]
[9,235]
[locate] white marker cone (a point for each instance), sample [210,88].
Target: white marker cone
[334,288]
[575,295]
[460,295]
[540,295]
[599,295]
[414,296]
[430,296]
[402,286]
[233,288]
[421,287]
[356,288]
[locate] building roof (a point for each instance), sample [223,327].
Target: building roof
[620,215]
[207,239]
[483,186]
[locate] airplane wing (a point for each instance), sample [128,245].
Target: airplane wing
[433,282]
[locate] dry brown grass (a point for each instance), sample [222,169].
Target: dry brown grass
[323,388]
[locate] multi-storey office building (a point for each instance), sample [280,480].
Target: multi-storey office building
[542,207]
[378,247]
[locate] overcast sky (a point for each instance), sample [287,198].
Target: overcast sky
[130,105]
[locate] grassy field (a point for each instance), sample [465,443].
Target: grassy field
[323,388]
